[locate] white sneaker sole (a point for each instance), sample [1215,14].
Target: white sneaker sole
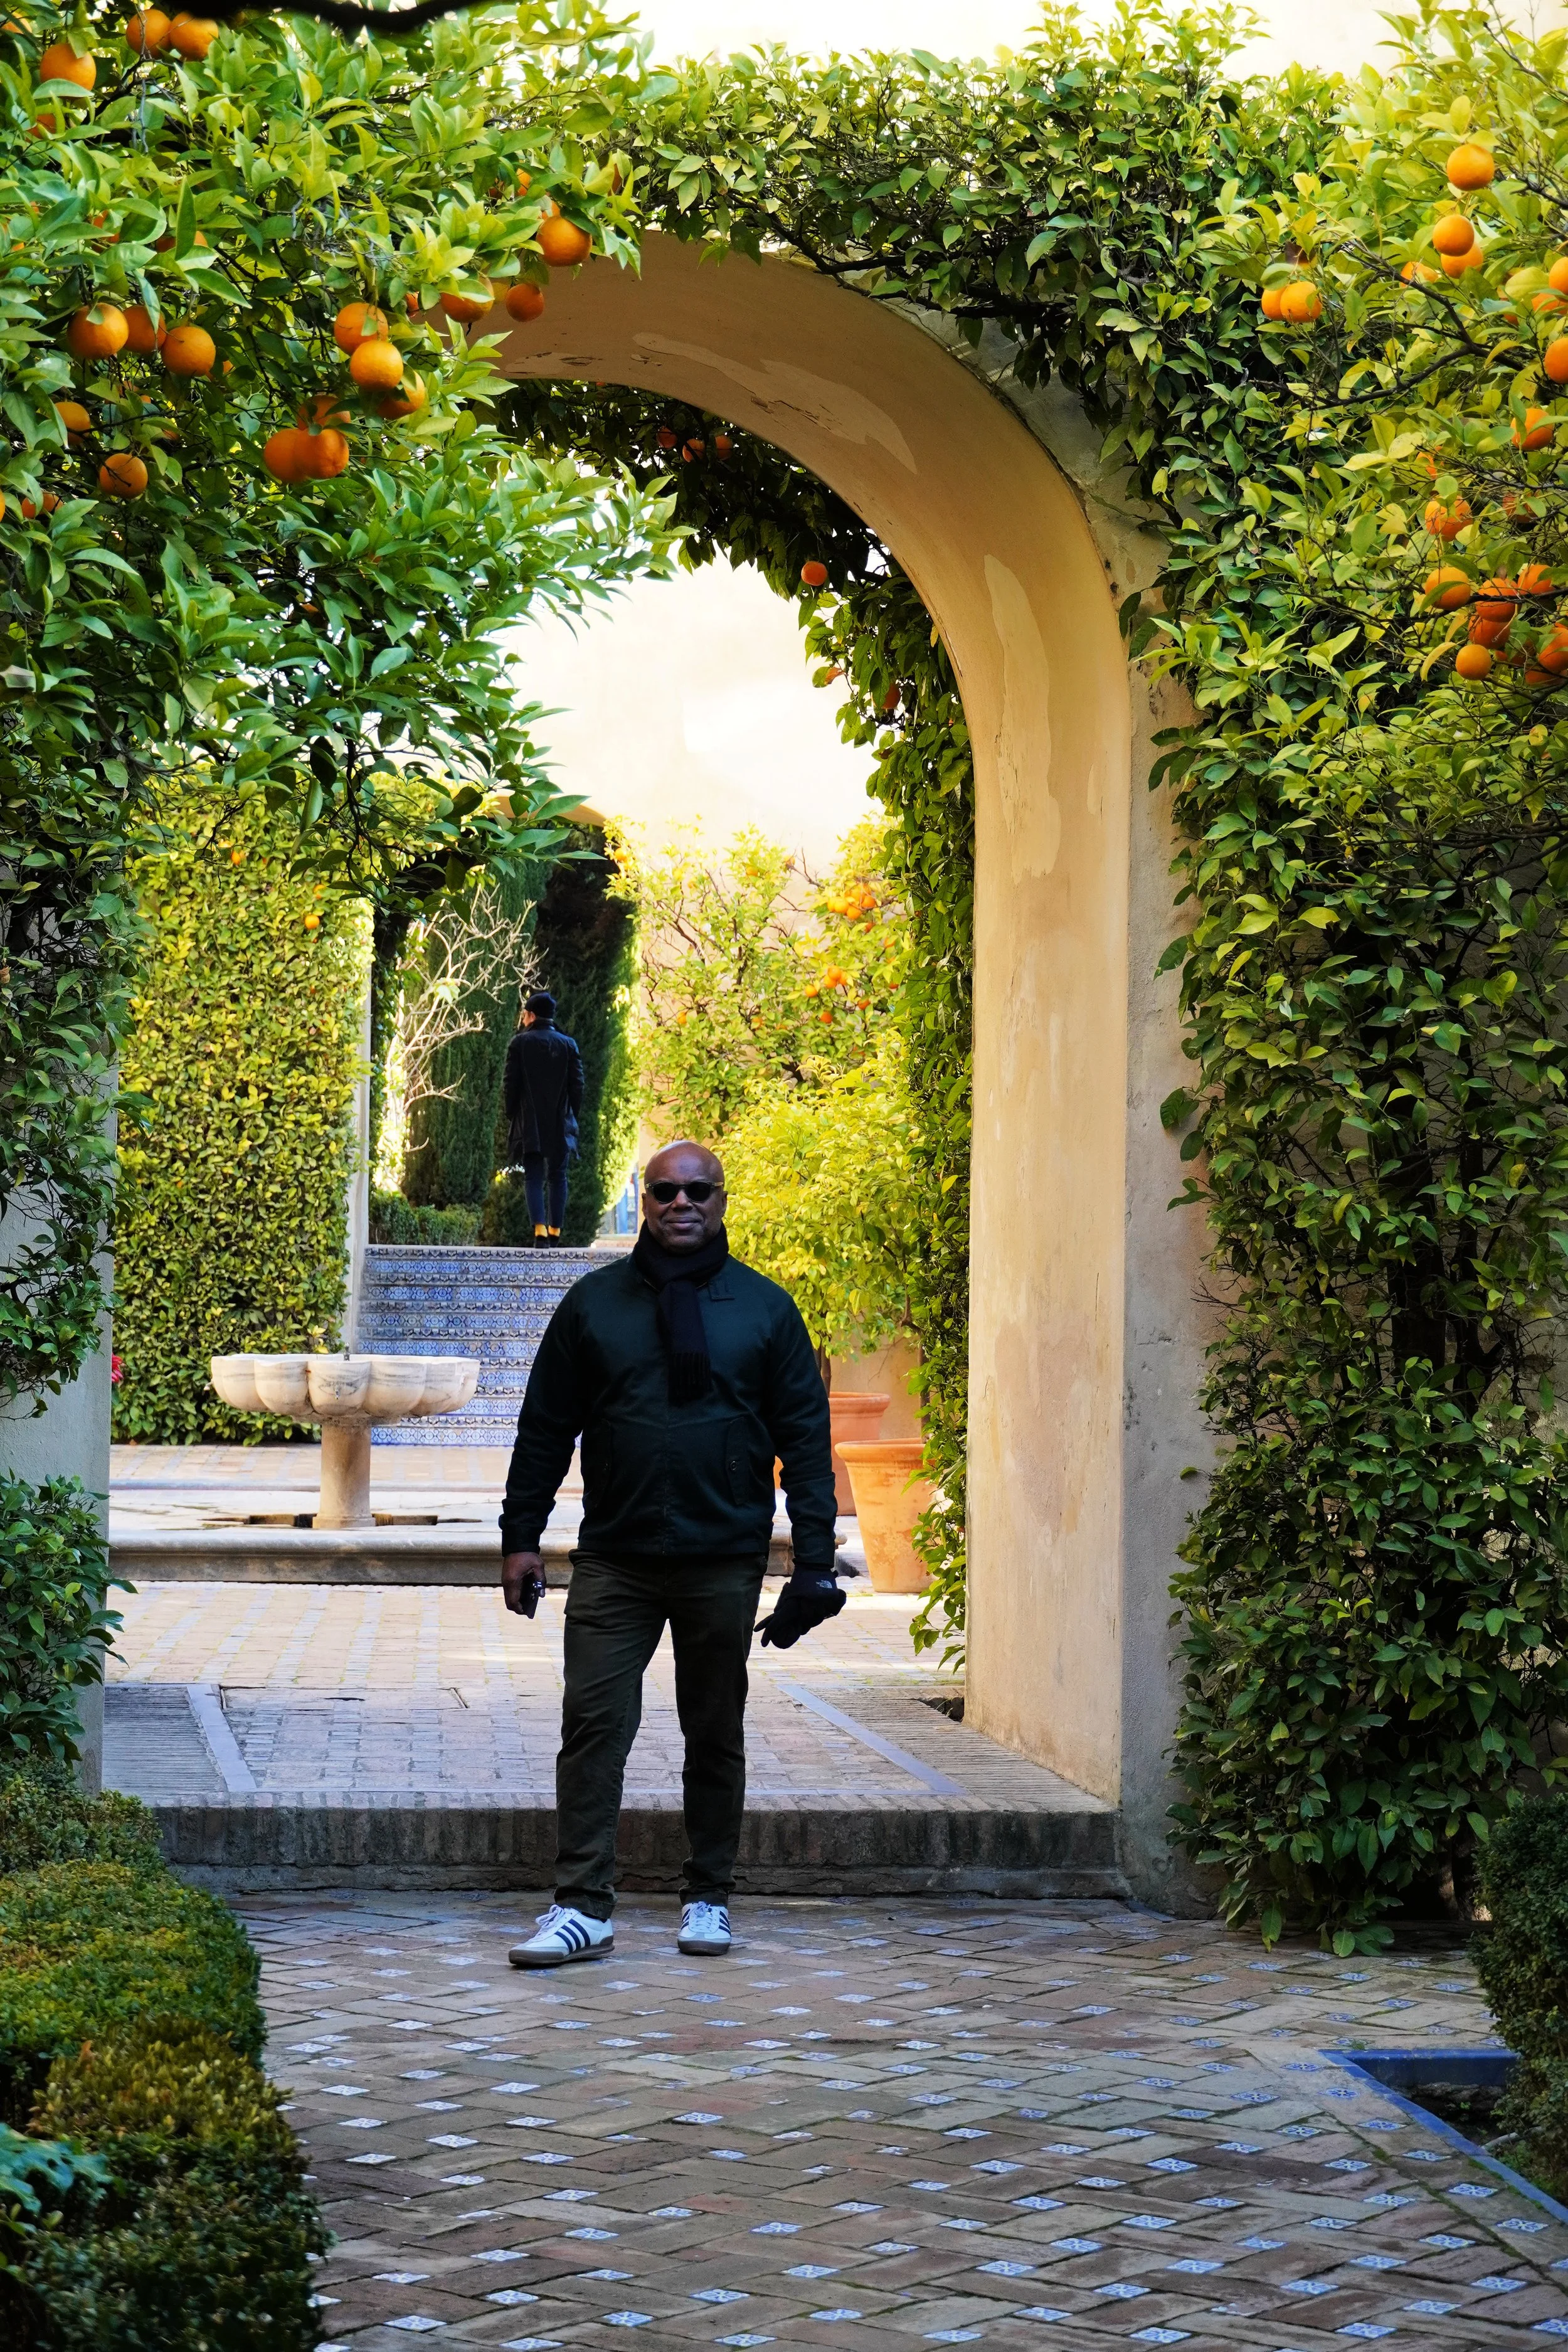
[521,1956]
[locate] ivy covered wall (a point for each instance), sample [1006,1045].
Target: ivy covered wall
[235,1147]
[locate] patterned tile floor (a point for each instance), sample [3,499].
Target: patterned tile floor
[883,2123]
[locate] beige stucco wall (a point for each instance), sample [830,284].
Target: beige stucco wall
[1076,1427]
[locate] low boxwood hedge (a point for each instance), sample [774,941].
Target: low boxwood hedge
[89,1949]
[45,1817]
[153,2197]
[201,2238]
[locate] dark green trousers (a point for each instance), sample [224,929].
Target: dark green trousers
[616,1613]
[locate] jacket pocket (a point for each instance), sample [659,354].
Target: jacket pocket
[748,1464]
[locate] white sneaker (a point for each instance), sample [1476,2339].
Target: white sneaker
[704,1928]
[563,1935]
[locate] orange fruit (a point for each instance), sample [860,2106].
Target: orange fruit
[61,62]
[1270,300]
[693,450]
[1413,269]
[1456,264]
[312,922]
[287,455]
[1495,609]
[73,416]
[1447,522]
[465,308]
[562,242]
[1447,588]
[1547,301]
[1301,302]
[189,350]
[97,333]
[1539,426]
[376,366]
[1552,656]
[141,334]
[1555,361]
[1453,233]
[122,475]
[722,445]
[813,574]
[354,321]
[329,455]
[1534,580]
[890,699]
[1472,662]
[1557,276]
[524,300]
[321,411]
[524,183]
[148,33]
[1469,166]
[410,397]
[193,35]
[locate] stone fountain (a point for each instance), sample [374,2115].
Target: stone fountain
[347,1395]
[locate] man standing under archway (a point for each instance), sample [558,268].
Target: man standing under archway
[686,1374]
[542,1098]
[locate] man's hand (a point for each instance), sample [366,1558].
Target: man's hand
[811,1595]
[522,1581]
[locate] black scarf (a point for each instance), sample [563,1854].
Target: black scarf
[675,1275]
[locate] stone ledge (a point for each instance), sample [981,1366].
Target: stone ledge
[445,1554]
[245,1844]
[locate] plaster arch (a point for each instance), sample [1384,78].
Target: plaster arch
[1083,1349]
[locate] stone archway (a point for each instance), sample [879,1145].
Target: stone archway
[1085,1342]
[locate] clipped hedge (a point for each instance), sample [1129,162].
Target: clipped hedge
[205,2232]
[153,2197]
[231,1219]
[95,1948]
[45,1817]
[411,1223]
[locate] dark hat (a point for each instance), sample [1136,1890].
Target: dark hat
[540,1001]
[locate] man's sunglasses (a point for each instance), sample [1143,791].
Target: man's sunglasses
[698,1193]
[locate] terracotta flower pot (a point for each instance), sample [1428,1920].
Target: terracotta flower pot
[858,1420]
[889,1499]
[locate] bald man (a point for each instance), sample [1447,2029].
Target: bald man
[685,1374]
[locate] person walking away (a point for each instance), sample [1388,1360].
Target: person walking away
[542,1098]
[686,1374]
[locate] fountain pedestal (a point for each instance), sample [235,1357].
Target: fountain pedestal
[348,1395]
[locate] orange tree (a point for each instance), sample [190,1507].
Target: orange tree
[1343,413]
[259,528]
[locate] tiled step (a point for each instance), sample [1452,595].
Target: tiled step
[494,1304]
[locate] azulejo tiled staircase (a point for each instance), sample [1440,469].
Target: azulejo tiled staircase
[490,1303]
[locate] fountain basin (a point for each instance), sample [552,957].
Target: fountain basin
[347,1395]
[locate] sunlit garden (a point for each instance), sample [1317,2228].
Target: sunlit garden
[284,850]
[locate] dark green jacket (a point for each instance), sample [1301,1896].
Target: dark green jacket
[660,1479]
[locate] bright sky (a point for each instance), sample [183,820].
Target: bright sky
[1332,33]
[690,700]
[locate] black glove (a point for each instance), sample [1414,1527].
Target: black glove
[811,1595]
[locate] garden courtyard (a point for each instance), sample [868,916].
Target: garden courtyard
[1057,563]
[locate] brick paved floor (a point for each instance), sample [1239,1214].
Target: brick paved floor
[334,1689]
[882,2124]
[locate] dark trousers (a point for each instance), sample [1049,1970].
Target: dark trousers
[544,1181]
[616,1613]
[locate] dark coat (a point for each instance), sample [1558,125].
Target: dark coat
[543,1093]
[694,1480]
